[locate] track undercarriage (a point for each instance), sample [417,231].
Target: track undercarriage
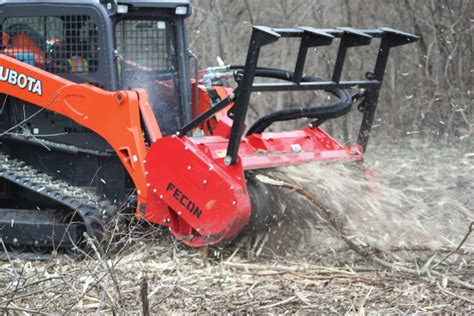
[62,215]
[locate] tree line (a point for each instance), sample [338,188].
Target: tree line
[428,87]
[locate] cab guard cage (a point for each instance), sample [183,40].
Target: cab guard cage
[310,37]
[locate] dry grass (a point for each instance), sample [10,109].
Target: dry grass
[407,231]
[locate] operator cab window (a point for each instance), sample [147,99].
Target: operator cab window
[147,59]
[59,44]
[147,45]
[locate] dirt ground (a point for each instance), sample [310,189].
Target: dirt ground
[397,249]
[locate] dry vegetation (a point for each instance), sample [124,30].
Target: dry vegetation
[402,245]
[400,249]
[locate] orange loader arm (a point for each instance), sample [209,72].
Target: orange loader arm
[115,116]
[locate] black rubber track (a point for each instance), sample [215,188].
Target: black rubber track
[93,211]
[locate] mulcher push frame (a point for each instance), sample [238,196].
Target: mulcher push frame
[310,37]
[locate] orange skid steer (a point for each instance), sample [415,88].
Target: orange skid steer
[98,110]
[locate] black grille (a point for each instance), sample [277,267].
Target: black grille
[148,60]
[58,44]
[146,44]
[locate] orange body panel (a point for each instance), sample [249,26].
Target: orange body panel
[115,116]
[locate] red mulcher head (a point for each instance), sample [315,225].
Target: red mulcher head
[197,186]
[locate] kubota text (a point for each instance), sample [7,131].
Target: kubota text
[21,80]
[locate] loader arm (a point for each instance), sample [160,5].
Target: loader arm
[115,116]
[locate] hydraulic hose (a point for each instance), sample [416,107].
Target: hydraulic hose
[321,113]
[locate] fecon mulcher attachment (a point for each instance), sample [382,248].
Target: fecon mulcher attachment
[98,109]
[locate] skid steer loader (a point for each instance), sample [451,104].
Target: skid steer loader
[98,108]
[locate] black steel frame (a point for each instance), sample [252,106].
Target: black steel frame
[311,37]
[181,45]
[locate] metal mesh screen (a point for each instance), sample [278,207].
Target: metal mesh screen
[58,44]
[146,44]
[149,61]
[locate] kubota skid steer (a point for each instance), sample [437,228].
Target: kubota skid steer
[98,109]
